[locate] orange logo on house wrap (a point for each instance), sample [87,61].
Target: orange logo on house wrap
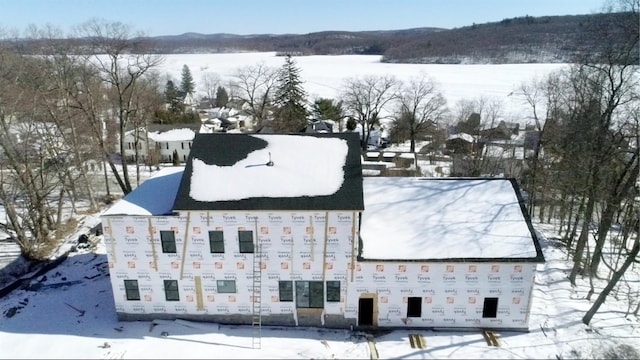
[284,265]
[517,268]
[218,265]
[131,264]
[309,229]
[306,265]
[450,299]
[148,298]
[111,265]
[152,264]
[332,230]
[218,228]
[232,298]
[450,268]
[197,230]
[516,300]
[424,268]
[175,229]
[240,265]
[286,230]
[190,298]
[379,268]
[328,266]
[175,264]
[211,298]
[264,230]
[402,268]
[263,265]
[473,268]
[130,230]
[495,268]
[196,265]
[384,299]
[472,300]
[428,300]
[275,298]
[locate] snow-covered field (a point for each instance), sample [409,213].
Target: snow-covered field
[324,76]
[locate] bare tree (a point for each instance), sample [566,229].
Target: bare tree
[421,106]
[366,99]
[121,62]
[210,83]
[254,85]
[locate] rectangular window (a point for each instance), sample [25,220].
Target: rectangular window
[168,240]
[171,292]
[490,308]
[245,238]
[226,286]
[132,290]
[414,307]
[309,294]
[333,291]
[182,145]
[285,290]
[216,241]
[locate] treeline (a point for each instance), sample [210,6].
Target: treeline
[527,39]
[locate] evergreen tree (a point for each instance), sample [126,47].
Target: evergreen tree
[290,112]
[187,85]
[172,97]
[327,109]
[222,98]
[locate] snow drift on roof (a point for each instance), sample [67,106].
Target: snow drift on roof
[299,162]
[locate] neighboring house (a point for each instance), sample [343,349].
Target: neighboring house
[319,126]
[159,142]
[283,230]
[460,143]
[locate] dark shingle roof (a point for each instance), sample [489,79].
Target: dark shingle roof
[226,149]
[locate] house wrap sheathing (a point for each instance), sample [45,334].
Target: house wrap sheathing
[283,228]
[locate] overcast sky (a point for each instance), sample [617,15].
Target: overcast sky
[243,17]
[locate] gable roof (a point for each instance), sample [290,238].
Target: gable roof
[228,171]
[443,219]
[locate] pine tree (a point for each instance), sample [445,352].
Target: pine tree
[222,98]
[187,85]
[172,97]
[290,112]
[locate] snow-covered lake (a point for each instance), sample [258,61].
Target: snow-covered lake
[324,76]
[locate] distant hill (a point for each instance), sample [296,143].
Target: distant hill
[548,39]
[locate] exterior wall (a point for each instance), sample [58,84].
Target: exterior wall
[451,294]
[300,246]
[182,147]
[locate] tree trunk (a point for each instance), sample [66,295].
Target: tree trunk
[586,319]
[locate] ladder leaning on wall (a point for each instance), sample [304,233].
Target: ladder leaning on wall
[256,302]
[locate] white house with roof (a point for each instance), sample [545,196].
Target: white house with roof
[283,230]
[158,143]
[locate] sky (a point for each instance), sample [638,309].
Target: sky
[244,17]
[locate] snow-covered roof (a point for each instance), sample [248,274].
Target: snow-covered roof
[272,172]
[172,135]
[462,136]
[155,196]
[418,219]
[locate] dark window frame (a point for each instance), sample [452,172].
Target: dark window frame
[171,290]
[222,289]
[309,294]
[132,289]
[168,244]
[285,290]
[333,291]
[216,241]
[243,241]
